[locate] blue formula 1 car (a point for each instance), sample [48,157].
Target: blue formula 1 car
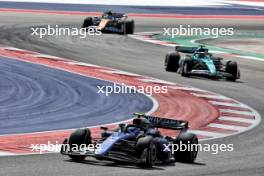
[138,143]
[199,62]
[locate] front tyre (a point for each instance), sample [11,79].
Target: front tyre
[87,22]
[78,138]
[232,68]
[186,68]
[146,150]
[172,62]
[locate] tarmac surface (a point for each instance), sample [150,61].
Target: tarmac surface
[125,53]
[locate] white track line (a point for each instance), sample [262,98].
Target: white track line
[227,127]
[119,72]
[12,49]
[236,119]
[170,45]
[187,88]
[227,104]
[6,153]
[47,56]
[155,41]
[207,133]
[220,97]
[83,64]
[152,80]
[237,112]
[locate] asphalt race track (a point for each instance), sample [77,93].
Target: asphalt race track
[128,54]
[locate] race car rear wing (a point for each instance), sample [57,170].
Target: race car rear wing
[116,15]
[187,49]
[159,122]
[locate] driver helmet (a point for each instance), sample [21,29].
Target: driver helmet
[143,122]
[202,49]
[109,14]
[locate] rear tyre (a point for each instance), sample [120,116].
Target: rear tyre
[186,68]
[146,151]
[172,62]
[187,156]
[87,22]
[232,68]
[78,138]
